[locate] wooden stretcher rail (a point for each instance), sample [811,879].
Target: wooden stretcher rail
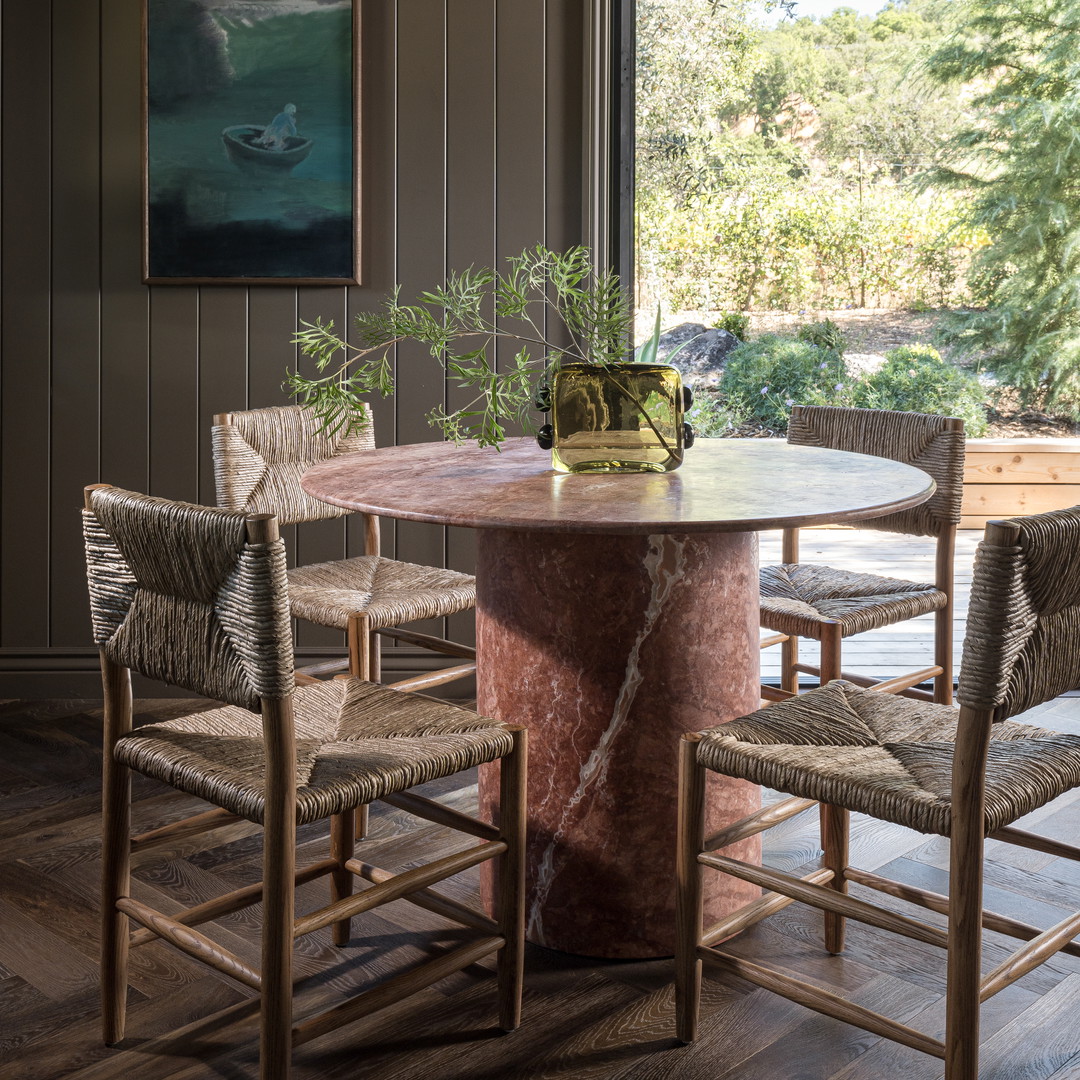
[433,678]
[441,815]
[1000,924]
[828,900]
[757,910]
[181,830]
[191,942]
[823,1001]
[429,899]
[401,884]
[233,901]
[396,989]
[753,824]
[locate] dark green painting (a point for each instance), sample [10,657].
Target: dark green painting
[250,141]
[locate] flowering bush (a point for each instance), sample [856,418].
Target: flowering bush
[825,333]
[763,379]
[734,322]
[915,378]
[714,416]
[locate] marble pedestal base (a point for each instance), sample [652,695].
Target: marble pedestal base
[608,648]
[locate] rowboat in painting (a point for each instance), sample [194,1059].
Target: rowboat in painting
[243,149]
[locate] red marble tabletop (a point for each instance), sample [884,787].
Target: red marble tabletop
[724,485]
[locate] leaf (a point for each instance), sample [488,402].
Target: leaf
[458,321]
[652,346]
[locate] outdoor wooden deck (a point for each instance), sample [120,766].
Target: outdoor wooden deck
[893,650]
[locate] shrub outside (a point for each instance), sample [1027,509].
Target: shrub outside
[763,379]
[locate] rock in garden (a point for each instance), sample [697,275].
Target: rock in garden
[863,363]
[701,361]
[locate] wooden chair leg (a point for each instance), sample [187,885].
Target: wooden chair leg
[789,657]
[363,647]
[374,657]
[789,650]
[829,669]
[831,642]
[362,815]
[945,580]
[115,854]
[359,641]
[965,917]
[510,905]
[342,832]
[688,885]
[834,831]
[275,1036]
[279,867]
[943,654]
[962,999]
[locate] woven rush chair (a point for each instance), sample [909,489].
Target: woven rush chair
[964,774]
[259,458]
[829,604]
[198,596]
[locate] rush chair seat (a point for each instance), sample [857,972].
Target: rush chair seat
[198,596]
[829,604]
[259,458]
[965,774]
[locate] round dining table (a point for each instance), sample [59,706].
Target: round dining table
[614,612]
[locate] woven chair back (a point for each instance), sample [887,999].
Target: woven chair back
[178,593]
[1023,631]
[260,455]
[934,444]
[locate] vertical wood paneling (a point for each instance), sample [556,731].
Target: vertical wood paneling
[272,314]
[470,204]
[565,115]
[421,225]
[76,250]
[470,145]
[174,392]
[24,529]
[520,152]
[320,541]
[471,122]
[223,368]
[378,246]
[125,326]
[271,324]
[470,137]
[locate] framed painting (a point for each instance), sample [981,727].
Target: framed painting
[251,141]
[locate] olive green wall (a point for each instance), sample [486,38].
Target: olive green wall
[471,116]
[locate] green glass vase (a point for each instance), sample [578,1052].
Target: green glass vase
[623,418]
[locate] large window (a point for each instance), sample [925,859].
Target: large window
[772,150]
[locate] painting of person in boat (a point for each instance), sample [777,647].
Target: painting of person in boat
[277,147]
[270,200]
[279,130]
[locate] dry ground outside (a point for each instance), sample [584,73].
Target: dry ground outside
[868,330]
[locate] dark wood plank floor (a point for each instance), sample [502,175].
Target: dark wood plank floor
[583,1018]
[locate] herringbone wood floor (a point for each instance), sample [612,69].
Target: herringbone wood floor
[583,1018]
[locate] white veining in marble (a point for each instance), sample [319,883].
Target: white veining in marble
[665,565]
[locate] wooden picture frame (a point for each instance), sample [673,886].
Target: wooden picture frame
[251,142]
